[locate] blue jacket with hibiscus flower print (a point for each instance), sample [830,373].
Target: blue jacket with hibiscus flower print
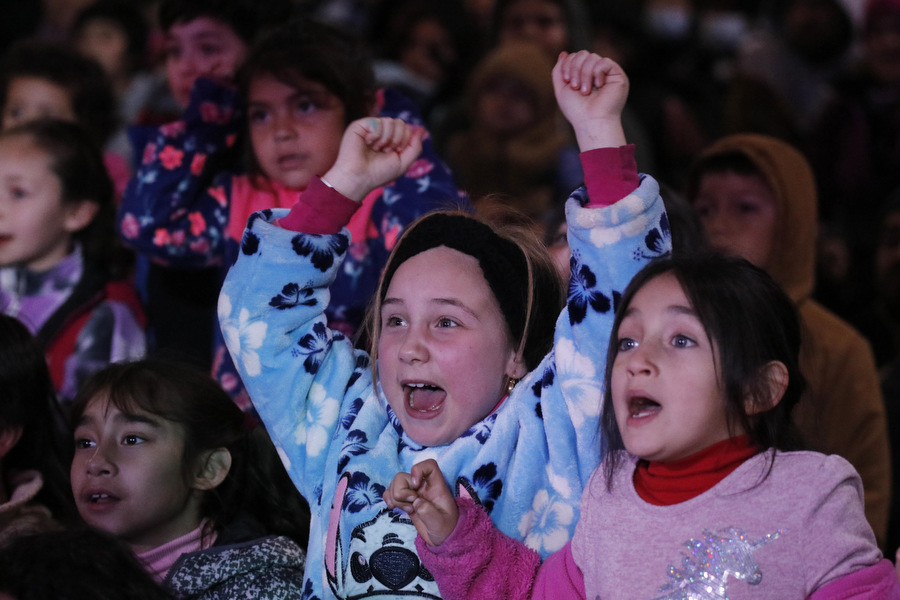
[526,463]
[185,208]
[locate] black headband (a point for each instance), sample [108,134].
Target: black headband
[502,262]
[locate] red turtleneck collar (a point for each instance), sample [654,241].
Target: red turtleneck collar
[668,483]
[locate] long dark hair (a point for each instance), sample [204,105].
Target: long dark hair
[750,321]
[28,400]
[256,486]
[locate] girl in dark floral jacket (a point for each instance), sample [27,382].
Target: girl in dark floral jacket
[303,83]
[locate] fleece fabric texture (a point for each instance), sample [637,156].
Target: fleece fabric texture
[843,411]
[526,463]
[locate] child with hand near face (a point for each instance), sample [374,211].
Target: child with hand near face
[303,84]
[465,365]
[699,494]
[165,462]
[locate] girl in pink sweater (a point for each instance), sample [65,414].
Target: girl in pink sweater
[702,493]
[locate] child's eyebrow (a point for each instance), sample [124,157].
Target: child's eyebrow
[454,302]
[124,417]
[681,309]
[439,301]
[128,417]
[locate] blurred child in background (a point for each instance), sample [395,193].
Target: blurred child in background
[39,79]
[61,272]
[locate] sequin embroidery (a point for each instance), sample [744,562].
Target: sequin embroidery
[711,561]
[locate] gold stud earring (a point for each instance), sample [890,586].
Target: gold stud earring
[510,384]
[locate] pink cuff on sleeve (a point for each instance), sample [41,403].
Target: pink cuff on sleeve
[321,209]
[878,581]
[610,174]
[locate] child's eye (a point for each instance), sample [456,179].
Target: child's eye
[258,115]
[702,210]
[447,322]
[682,341]
[393,322]
[304,106]
[626,344]
[747,208]
[82,443]
[132,440]
[18,193]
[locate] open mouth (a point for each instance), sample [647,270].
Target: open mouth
[101,498]
[423,398]
[290,161]
[640,408]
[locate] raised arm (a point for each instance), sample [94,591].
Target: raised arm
[271,309]
[616,224]
[591,92]
[175,209]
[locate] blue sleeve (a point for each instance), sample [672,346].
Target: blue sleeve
[176,206]
[297,371]
[609,246]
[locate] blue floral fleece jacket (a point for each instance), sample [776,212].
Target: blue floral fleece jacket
[526,463]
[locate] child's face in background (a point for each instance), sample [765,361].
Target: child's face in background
[295,131]
[106,42]
[127,476]
[35,224]
[505,106]
[666,392]
[882,48]
[444,351]
[537,21]
[204,47]
[739,214]
[32,98]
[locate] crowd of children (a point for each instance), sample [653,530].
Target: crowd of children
[339,299]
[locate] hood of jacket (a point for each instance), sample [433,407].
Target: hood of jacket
[788,174]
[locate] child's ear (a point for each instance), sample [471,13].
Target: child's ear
[774,376]
[214,468]
[9,437]
[79,214]
[515,367]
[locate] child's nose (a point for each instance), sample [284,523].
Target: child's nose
[413,348]
[284,129]
[641,360]
[99,463]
